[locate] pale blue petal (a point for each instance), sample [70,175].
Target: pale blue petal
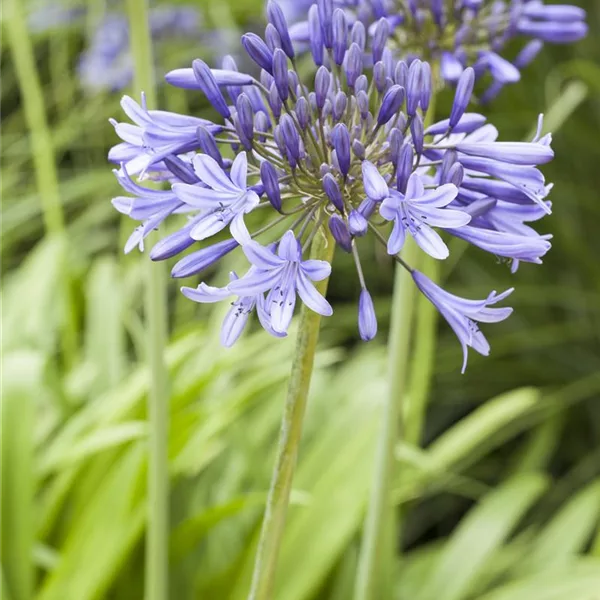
[256,283]
[206,294]
[375,186]
[261,257]
[210,173]
[208,226]
[430,241]
[239,171]
[397,237]
[289,248]
[202,197]
[317,270]
[312,298]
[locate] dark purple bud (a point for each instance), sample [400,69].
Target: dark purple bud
[278,135]
[327,109]
[416,128]
[367,321]
[359,149]
[258,51]
[208,145]
[340,36]
[361,84]
[367,207]
[315,35]
[324,169]
[173,244]
[293,81]
[354,64]
[302,112]
[245,116]
[390,105]
[395,139]
[201,259]
[462,96]
[181,170]
[401,73]
[290,136]
[339,105]
[388,62]
[325,8]
[405,164]
[268,176]
[275,101]
[266,78]
[358,35]
[322,82]
[272,38]
[529,52]
[261,125]
[413,88]
[229,64]
[379,76]
[341,143]
[209,86]
[450,158]
[340,233]
[277,18]
[333,191]
[380,36]
[401,122]
[437,11]
[357,223]
[426,86]
[280,73]
[362,101]
[456,174]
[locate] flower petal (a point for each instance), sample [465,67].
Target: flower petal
[397,237]
[210,173]
[311,297]
[430,241]
[289,248]
[205,294]
[414,187]
[441,196]
[255,283]
[317,270]
[233,324]
[201,197]
[375,186]
[440,217]
[208,225]
[239,171]
[261,257]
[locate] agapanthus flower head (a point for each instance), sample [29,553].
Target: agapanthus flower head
[343,153]
[460,33]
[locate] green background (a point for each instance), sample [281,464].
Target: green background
[499,500]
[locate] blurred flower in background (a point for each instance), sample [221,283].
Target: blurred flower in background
[463,33]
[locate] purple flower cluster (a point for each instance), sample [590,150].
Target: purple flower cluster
[344,151]
[461,33]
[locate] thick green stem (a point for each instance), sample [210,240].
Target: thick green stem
[157,531]
[379,542]
[289,439]
[42,151]
[421,372]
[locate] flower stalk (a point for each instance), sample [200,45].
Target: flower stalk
[379,542]
[157,529]
[263,578]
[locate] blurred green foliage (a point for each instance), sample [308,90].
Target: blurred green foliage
[501,501]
